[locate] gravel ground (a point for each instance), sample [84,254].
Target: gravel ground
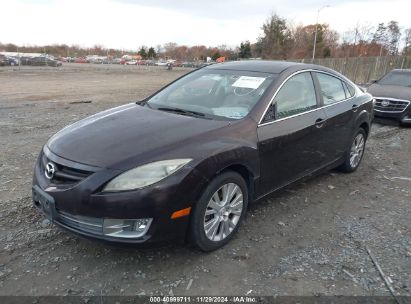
[309,239]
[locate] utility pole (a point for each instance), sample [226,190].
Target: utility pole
[316,29]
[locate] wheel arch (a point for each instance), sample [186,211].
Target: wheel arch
[245,173]
[366,128]
[363,121]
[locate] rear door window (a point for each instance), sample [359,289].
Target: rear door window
[332,89]
[350,89]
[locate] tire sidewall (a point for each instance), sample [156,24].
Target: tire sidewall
[197,233]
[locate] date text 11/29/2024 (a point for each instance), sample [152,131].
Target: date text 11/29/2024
[203,299]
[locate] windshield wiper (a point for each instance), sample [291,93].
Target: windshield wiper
[181,111]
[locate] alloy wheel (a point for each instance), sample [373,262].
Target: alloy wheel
[223,212]
[357,150]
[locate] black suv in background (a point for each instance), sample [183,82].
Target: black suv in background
[393,96]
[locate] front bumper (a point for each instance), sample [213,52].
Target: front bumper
[80,206]
[394,109]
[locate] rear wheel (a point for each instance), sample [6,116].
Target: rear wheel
[217,215]
[356,152]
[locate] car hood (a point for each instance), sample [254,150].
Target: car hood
[398,92]
[111,138]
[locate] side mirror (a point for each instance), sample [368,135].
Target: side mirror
[374,81]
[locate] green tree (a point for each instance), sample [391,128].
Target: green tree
[319,42]
[151,53]
[142,52]
[276,41]
[245,50]
[326,52]
[216,55]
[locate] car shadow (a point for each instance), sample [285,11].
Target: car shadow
[390,122]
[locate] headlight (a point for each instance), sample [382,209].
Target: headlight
[145,175]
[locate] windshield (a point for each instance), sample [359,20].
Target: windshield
[214,93]
[397,78]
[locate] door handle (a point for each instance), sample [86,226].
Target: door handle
[355,108]
[320,122]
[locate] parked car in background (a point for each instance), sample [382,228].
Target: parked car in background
[3,60]
[80,60]
[131,62]
[184,163]
[187,64]
[392,95]
[177,63]
[161,63]
[97,61]
[7,60]
[44,61]
[24,60]
[150,62]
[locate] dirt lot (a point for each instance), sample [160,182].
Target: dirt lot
[307,240]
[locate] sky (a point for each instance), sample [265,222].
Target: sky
[129,24]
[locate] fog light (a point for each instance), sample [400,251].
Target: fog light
[126,228]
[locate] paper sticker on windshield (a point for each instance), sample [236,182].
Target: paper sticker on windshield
[248,82]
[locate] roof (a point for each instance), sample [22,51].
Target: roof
[264,66]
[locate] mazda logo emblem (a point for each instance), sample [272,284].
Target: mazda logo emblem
[50,170]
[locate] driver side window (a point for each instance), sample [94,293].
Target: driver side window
[296,96]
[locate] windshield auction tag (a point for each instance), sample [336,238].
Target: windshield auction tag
[248,82]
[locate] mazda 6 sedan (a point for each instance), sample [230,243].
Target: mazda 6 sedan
[184,164]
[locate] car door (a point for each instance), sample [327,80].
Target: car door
[340,110]
[290,135]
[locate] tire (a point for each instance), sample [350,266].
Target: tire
[222,220]
[355,153]
[405,124]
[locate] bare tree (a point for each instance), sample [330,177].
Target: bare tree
[394,35]
[407,40]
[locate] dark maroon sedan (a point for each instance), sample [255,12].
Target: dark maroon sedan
[185,163]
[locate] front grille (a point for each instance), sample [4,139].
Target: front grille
[64,175]
[82,223]
[390,105]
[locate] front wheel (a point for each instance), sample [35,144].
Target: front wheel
[217,215]
[356,152]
